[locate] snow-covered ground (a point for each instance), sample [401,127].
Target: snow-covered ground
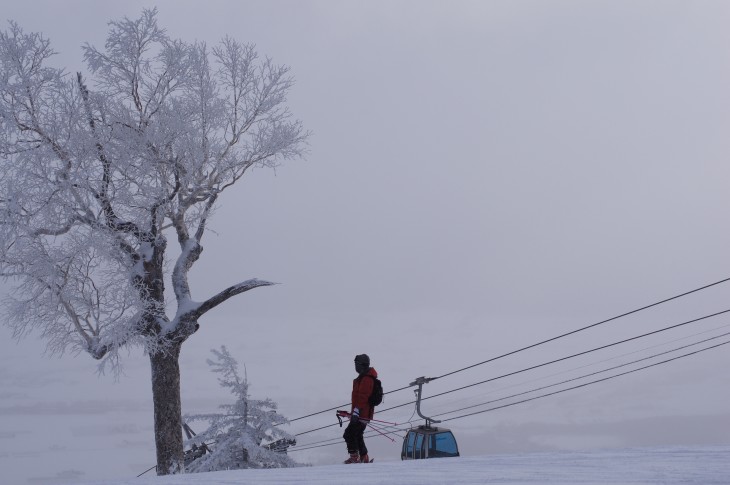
[671,465]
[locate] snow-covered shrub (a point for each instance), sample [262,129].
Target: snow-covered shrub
[241,431]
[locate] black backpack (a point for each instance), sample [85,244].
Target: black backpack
[377,395]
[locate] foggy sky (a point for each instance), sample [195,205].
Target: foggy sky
[481,176]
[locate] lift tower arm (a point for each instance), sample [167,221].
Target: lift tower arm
[420,382]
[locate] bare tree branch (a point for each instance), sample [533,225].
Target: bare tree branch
[224,295]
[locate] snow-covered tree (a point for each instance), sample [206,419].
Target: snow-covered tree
[96,173]
[242,428]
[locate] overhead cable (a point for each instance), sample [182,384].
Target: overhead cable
[588,383]
[310,446]
[584,376]
[579,353]
[530,346]
[583,328]
[537,366]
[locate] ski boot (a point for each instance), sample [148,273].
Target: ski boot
[354,458]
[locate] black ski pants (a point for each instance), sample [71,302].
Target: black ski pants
[354,438]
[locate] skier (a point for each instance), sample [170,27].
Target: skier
[361,412]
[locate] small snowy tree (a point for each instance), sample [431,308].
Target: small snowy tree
[242,428]
[94,175]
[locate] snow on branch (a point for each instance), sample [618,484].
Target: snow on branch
[229,292]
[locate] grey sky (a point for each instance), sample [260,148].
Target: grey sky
[482,175]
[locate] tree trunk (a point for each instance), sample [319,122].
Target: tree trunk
[168,413]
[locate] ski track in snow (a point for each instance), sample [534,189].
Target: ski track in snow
[704,465]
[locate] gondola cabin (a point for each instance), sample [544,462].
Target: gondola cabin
[429,442]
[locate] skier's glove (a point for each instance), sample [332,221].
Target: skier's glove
[355,417]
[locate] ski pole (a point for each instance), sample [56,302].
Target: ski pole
[382,434]
[381,421]
[345,414]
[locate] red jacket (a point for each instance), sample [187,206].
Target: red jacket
[362,387]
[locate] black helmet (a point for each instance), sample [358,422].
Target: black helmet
[362,363]
[362,359]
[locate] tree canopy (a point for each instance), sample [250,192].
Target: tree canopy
[97,172]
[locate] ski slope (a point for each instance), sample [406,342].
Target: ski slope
[704,465]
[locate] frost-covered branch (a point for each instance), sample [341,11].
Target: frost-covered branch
[224,295]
